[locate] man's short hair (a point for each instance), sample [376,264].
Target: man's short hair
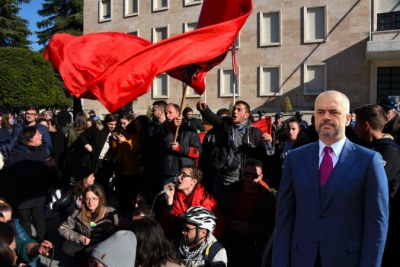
[241,102]
[32,108]
[375,115]
[197,172]
[174,105]
[161,104]
[254,163]
[186,111]
[223,111]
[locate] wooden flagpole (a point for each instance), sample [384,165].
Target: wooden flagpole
[181,110]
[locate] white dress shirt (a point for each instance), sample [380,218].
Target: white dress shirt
[336,150]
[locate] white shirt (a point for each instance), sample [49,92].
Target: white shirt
[336,150]
[106,147]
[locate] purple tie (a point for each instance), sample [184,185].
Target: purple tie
[326,165]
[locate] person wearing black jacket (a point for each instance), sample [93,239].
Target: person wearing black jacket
[28,166]
[192,122]
[98,143]
[237,141]
[371,120]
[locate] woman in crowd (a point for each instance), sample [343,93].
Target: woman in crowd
[188,193]
[75,150]
[64,121]
[8,258]
[126,150]
[89,225]
[6,122]
[98,143]
[29,165]
[90,122]
[54,182]
[152,249]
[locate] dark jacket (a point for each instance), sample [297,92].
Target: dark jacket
[96,138]
[4,134]
[58,155]
[252,145]
[261,224]
[46,139]
[195,123]
[173,161]
[28,171]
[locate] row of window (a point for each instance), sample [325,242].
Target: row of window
[131,7]
[269,77]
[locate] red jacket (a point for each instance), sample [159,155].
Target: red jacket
[170,220]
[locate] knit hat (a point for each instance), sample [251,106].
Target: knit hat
[119,250]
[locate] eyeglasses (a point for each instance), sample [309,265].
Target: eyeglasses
[251,175]
[184,175]
[186,229]
[91,199]
[30,114]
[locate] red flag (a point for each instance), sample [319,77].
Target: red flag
[116,73]
[234,62]
[265,125]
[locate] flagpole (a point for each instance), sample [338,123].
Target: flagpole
[234,70]
[181,110]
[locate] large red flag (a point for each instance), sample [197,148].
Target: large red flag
[122,70]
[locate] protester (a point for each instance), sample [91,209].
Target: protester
[29,165]
[117,250]
[6,122]
[88,226]
[392,125]
[198,247]
[333,198]
[90,122]
[153,249]
[188,193]
[192,122]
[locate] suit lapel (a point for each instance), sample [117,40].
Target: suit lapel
[311,161]
[346,159]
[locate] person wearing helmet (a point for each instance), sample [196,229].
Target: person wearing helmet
[198,247]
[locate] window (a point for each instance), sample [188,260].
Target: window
[160,86]
[227,83]
[159,5]
[159,34]
[270,28]
[388,82]
[190,26]
[135,33]
[105,10]
[131,8]
[315,24]
[192,2]
[388,21]
[270,80]
[314,78]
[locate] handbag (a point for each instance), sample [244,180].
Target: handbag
[118,164]
[66,202]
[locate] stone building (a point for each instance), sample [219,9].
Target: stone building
[294,48]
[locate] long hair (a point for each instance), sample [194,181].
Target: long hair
[153,249]
[80,122]
[86,215]
[5,123]
[7,236]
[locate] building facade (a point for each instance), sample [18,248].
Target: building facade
[294,48]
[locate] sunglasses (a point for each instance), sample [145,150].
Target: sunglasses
[186,229]
[251,175]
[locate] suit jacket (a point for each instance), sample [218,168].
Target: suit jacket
[346,220]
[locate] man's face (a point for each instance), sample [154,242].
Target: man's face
[252,176]
[92,114]
[292,130]
[330,117]
[279,121]
[189,233]
[46,116]
[390,114]
[30,116]
[239,113]
[156,112]
[189,115]
[170,113]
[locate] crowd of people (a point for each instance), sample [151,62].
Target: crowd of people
[323,194]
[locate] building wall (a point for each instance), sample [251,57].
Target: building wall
[343,52]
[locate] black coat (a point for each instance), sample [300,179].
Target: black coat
[195,123]
[58,155]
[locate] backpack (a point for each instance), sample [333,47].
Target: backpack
[210,252]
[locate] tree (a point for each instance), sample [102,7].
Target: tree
[286,105]
[61,16]
[231,107]
[148,113]
[26,78]
[14,30]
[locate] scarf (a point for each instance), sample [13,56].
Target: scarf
[194,255]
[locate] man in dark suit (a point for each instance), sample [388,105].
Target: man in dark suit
[333,198]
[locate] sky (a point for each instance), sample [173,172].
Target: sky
[29,12]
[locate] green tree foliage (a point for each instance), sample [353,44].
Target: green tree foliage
[148,113]
[231,107]
[61,16]
[286,105]
[14,30]
[26,78]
